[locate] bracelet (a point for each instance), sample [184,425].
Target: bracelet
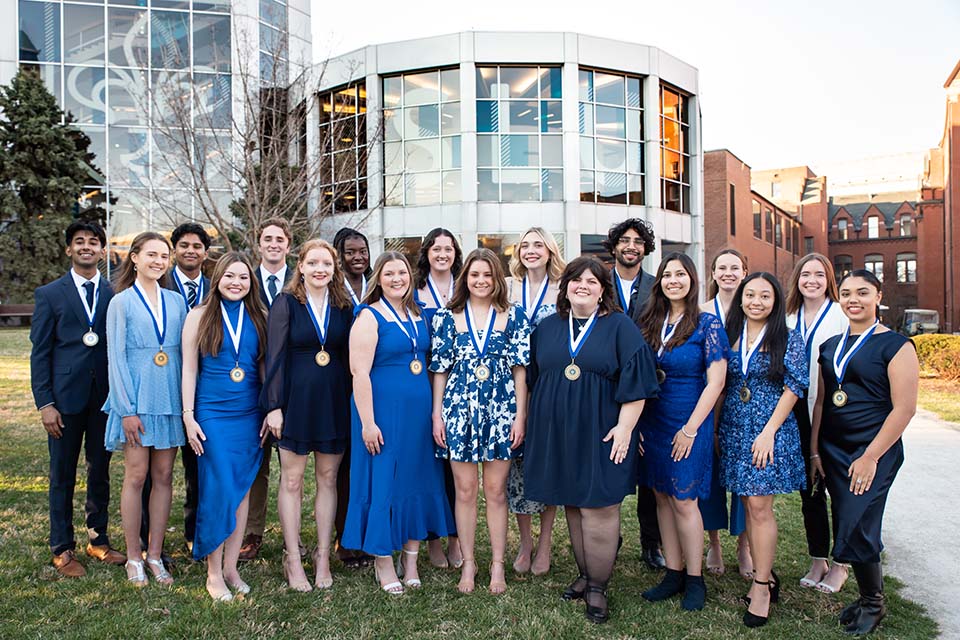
[684,432]
[815,456]
[186,411]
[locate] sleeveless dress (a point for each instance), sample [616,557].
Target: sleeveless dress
[397,495]
[479,414]
[845,433]
[686,368]
[229,414]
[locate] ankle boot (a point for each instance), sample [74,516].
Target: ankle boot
[849,613]
[872,608]
[671,585]
[695,593]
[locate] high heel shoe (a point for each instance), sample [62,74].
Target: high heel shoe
[594,613]
[571,592]
[139,577]
[394,588]
[160,573]
[302,587]
[753,620]
[401,570]
[774,589]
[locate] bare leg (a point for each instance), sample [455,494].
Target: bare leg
[762,532]
[411,573]
[715,554]
[522,562]
[689,530]
[231,548]
[669,535]
[325,510]
[495,494]
[466,482]
[136,463]
[744,559]
[161,495]
[216,586]
[541,562]
[818,569]
[289,498]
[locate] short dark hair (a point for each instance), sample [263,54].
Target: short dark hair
[643,228]
[275,222]
[77,226]
[186,229]
[608,300]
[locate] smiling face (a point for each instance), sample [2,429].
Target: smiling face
[189,253]
[758,299]
[317,267]
[235,283]
[583,292]
[859,300]
[533,251]
[85,250]
[153,260]
[728,272]
[629,249]
[480,279]
[395,279]
[356,257]
[675,282]
[441,254]
[812,280]
[274,246]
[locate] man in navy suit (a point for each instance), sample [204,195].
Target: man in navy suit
[191,242]
[628,242]
[68,374]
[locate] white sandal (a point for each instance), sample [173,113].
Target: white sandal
[139,579]
[413,583]
[162,576]
[393,588]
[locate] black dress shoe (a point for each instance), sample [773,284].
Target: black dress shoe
[571,592]
[653,558]
[850,613]
[598,614]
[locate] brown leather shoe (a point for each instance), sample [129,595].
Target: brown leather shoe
[104,553]
[251,546]
[68,565]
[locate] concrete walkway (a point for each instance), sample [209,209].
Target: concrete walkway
[921,527]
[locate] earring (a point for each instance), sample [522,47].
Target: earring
[600,299]
[134,268]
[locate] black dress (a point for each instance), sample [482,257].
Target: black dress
[846,432]
[565,459]
[315,400]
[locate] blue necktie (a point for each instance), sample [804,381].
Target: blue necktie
[88,286]
[191,294]
[272,287]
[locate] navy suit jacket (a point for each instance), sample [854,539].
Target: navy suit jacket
[263,285]
[639,292]
[63,370]
[172,286]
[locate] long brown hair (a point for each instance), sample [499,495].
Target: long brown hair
[713,289]
[658,305]
[795,297]
[461,293]
[608,301]
[375,291]
[423,257]
[555,263]
[127,272]
[210,330]
[339,297]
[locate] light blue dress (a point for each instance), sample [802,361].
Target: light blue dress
[138,387]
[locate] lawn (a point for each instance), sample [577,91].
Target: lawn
[37,603]
[940,397]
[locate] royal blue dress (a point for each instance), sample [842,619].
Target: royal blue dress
[741,423]
[686,369]
[565,459]
[229,414]
[315,400]
[479,414]
[397,495]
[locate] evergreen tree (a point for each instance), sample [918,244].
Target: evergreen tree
[42,172]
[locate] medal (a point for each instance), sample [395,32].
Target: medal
[183,292]
[236,374]
[745,394]
[90,338]
[353,294]
[842,360]
[435,291]
[839,398]
[806,334]
[745,357]
[409,329]
[572,372]
[321,322]
[480,339]
[160,359]
[661,376]
[531,308]
[416,367]
[618,282]
[322,358]
[482,372]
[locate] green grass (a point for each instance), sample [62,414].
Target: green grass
[37,603]
[940,397]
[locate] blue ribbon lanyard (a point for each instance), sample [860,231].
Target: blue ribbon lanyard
[719,311]
[745,355]
[817,321]
[479,343]
[235,334]
[324,312]
[91,313]
[410,330]
[624,303]
[432,288]
[531,311]
[353,294]
[842,360]
[161,333]
[576,344]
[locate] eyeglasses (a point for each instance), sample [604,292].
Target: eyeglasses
[627,240]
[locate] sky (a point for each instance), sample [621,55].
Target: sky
[781,84]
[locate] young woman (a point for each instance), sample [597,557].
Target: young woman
[759,440]
[590,373]
[813,311]
[677,427]
[481,346]
[867,395]
[223,344]
[397,496]
[728,270]
[438,265]
[306,397]
[144,323]
[535,269]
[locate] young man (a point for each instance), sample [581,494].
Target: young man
[68,374]
[628,242]
[274,243]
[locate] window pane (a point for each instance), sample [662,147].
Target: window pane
[392,157]
[671,134]
[39,31]
[451,186]
[450,152]
[685,190]
[671,164]
[635,157]
[611,155]
[670,103]
[586,152]
[422,155]
[127,29]
[520,185]
[634,125]
[344,166]
[551,151]
[450,118]
[488,151]
[487,82]
[169,40]
[612,188]
[488,185]
[98,147]
[450,85]
[518,151]
[172,4]
[129,156]
[170,168]
[634,97]
[608,88]
[586,119]
[671,195]
[391,125]
[421,88]
[421,122]
[522,117]
[211,43]
[129,214]
[50,74]
[128,97]
[83,40]
[635,186]
[611,122]
[519,82]
[488,116]
[586,187]
[586,86]
[84,98]
[213,107]
[393,191]
[392,91]
[422,188]
[273,13]
[552,184]
[220,6]
[171,97]
[550,116]
[550,82]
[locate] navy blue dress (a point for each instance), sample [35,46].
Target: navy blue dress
[847,431]
[686,368]
[229,414]
[565,459]
[315,400]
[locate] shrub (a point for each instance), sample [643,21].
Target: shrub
[939,355]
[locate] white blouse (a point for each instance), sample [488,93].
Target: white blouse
[834,323]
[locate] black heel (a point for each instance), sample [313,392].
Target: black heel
[775,587]
[571,592]
[595,614]
[752,620]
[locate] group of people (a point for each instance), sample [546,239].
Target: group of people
[570,384]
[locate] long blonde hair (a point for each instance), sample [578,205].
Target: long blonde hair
[375,291]
[339,297]
[555,263]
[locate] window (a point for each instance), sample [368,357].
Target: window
[873,227]
[775,190]
[422,138]
[675,150]
[907,267]
[768,224]
[343,149]
[519,139]
[40,31]
[611,138]
[169,39]
[807,245]
[757,224]
[733,209]
[906,225]
[778,232]
[874,263]
[788,232]
[409,246]
[796,239]
[842,265]
[842,229]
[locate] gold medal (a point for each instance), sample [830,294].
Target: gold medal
[90,338]
[572,372]
[839,398]
[661,376]
[322,358]
[745,394]
[160,359]
[416,367]
[482,372]
[237,374]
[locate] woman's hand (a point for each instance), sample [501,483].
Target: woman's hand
[762,449]
[132,428]
[195,435]
[682,445]
[620,435]
[861,474]
[372,438]
[274,423]
[816,471]
[518,432]
[439,431]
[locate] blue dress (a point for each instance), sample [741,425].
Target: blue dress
[741,423]
[479,414]
[138,387]
[565,459]
[686,368]
[397,495]
[315,400]
[229,414]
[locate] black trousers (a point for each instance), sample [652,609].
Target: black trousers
[82,430]
[647,516]
[813,499]
[190,480]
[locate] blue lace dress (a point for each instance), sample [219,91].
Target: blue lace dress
[479,414]
[741,423]
[686,368]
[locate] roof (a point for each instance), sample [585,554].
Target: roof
[953,75]
[858,210]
